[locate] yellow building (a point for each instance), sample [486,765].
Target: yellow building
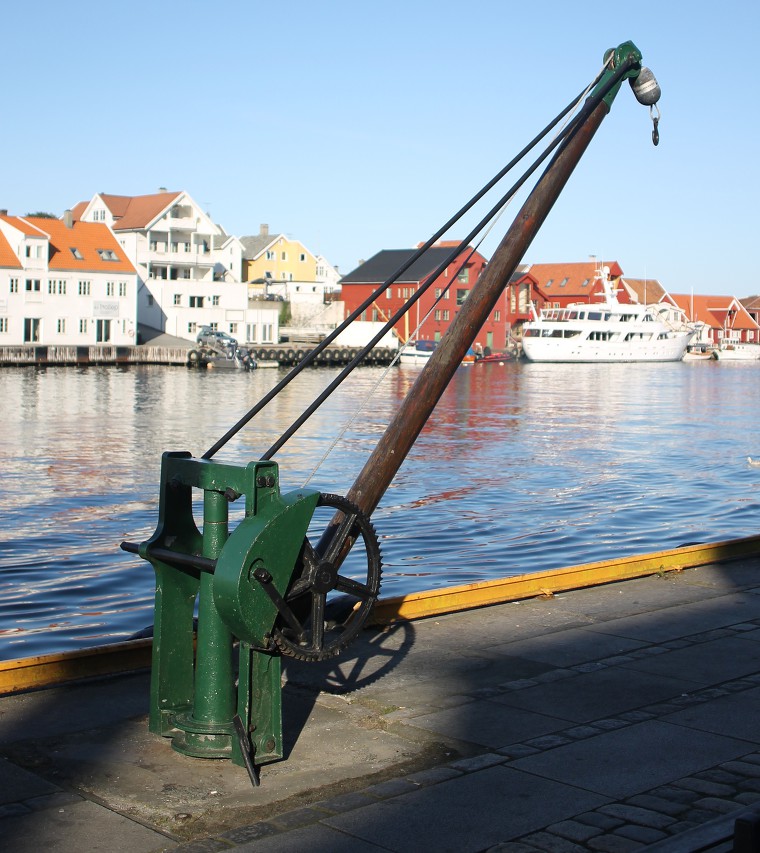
[275,258]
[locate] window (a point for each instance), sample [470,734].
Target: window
[61,326]
[84,288]
[107,255]
[173,246]
[374,315]
[270,255]
[28,251]
[497,316]
[461,295]
[187,246]
[389,293]
[196,301]
[437,315]
[110,288]
[3,324]
[150,299]
[177,299]
[464,275]
[302,257]
[445,314]
[153,246]
[76,253]
[233,328]
[550,282]
[563,282]
[122,288]
[14,285]
[267,333]
[283,256]
[214,300]
[438,293]
[32,285]
[83,326]
[586,282]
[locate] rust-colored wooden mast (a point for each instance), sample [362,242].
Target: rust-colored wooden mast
[416,408]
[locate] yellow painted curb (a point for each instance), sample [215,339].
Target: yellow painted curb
[468,596]
[48,670]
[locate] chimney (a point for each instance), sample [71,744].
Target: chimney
[4,212]
[263,230]
[162,189]
[68,219]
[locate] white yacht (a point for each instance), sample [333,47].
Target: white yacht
[607,331]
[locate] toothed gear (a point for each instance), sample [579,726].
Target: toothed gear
[327,627]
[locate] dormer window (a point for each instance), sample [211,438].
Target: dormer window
[586,282]
[107,255]
[550,282]
[76,253]
[563,282]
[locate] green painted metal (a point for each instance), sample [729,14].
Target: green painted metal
[193,692]
[625,53]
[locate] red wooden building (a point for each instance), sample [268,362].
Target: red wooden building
[434,312]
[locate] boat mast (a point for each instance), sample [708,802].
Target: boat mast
[416,408]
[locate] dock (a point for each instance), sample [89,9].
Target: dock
[619,717]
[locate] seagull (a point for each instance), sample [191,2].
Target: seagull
[755,463]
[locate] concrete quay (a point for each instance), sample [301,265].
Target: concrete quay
[616,718]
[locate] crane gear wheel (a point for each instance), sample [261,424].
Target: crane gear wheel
[328,626]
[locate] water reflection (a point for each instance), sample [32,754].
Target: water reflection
[521,467]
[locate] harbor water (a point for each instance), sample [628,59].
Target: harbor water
[523,467]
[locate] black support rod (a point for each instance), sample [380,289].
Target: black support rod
[416,408]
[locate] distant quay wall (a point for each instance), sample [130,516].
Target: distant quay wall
[22,356]
[283,354]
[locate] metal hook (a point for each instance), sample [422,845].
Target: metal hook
[655,122]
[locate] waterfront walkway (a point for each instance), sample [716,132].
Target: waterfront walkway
[615,718]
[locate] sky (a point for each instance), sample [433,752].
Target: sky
[361,126]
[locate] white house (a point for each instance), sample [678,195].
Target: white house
[64,283]
[189,268]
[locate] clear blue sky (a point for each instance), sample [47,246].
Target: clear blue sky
[359,126]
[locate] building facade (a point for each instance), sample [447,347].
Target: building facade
[64,283]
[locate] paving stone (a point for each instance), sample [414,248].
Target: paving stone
[434,775]
[657,804]
[603,821]
[679,795]
[477,762]
[716,804]
[635,814]
[548,742]
[716,774]
[553,843]
[705,787]
[512,847]
[748,798]
[250,833]
[574,830]
[643,834]
[13,809]
[344,802]
[752,758]
[518,750]
[53,801]
[391,788]
[613,844]
[611,723]
[743,768]
[297,817]
[205,845]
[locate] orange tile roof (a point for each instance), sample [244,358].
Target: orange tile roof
[137,212]
[78,209]
[714,310]
[87,238]
[7,255]
[575,273]
[24,225]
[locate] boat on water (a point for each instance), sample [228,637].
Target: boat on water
[607,331]
[420,351]
[736,351]
[222,358]
[699,352]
